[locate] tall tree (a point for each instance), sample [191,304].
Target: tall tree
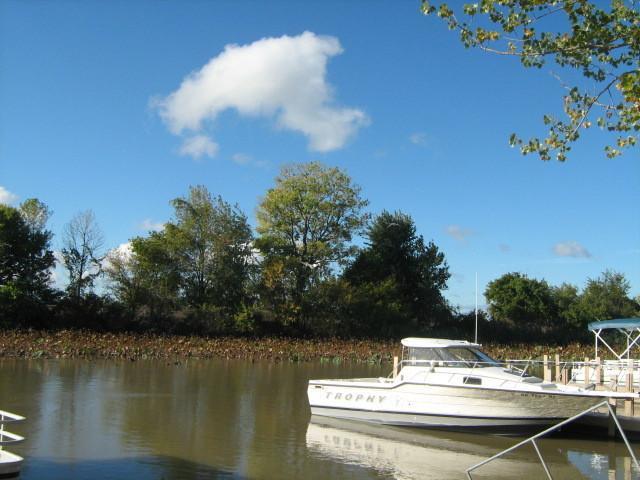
[601,41]
[607,297]
[82,252]
[520,301]
[25,263]
[407,274]
[144,278]
[36,214]
[305,224]
[211,241]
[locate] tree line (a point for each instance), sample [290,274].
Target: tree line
[301,273]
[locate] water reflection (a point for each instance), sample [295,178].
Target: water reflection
[416,454]
[243,420]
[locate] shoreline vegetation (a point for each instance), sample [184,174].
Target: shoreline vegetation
[84,344]
[316,265]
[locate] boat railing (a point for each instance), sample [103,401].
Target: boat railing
[612,372]
[533,439]
[7,437]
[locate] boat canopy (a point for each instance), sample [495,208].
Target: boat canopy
[630,327]
[415,342]
[623,323]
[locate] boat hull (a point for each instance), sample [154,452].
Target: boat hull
[407,419]
[434,406]
[10,464]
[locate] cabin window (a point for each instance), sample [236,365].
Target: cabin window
[472,381]
[450,357]
[423,356]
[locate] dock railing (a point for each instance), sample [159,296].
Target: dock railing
[533,439]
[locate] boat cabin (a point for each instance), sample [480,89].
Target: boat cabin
[431,352]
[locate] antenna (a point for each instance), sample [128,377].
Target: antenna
[476,337]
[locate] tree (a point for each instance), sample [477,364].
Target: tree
[519,301]
[402,274]
[25,263]
[606,298]
[211,241]
[602,44]
[305,224]
[567,298]
[35,213]
[144,278]
[82,252]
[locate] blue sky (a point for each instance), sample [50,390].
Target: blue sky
[88,121]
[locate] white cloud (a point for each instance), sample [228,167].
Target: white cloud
[122,252]
[418,138]
[6,196]
[571,249]
[283,78]
[459,233]
[198,146]
[149,225]
[241,158]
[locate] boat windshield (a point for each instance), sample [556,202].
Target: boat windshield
[450,357]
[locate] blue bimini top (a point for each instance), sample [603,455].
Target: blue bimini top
[619,323]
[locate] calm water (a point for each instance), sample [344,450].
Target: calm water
[233,419]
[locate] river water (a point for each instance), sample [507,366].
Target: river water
[202,419]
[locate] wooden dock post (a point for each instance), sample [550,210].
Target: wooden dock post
[557,379]
[565,376]
[611,428]
[599,375]
[628,404]
[547,370]
[587,372]
[395,366]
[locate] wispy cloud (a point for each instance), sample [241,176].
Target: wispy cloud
[198,146]
[418,138]
[504,248]
[247,160]
[459,233]
[149,225]
[7,197]
[571,249]
[282,78]
[241,158]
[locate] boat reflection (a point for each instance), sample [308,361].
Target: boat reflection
[418,454]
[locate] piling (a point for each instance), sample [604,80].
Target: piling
[599,376]
[557,379]
[547,370]
[611,427]
[587,372]
[629,404]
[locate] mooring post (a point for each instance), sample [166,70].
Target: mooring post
[628,404]
[587,372]
[565,376]
[557,379]
[598,371]
[395,366]
[547,370]
[611,428]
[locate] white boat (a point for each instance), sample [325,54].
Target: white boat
[452,384]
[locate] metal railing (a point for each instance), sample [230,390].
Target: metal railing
[5,436]
[533,439]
